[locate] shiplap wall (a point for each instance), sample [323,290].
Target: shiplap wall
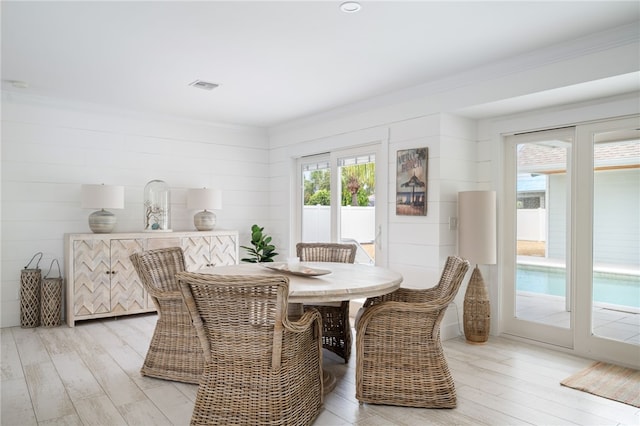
[49,149]
[417,245]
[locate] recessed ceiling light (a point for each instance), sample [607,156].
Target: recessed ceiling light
[350,6]
[203,85]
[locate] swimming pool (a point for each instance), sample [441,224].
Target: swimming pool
[615,289]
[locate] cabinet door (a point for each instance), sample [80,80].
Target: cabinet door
[197,252]
[127,292]
[224,250]
[91,277]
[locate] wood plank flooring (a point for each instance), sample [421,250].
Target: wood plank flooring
[89,375]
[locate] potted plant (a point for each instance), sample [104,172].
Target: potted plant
[262,250]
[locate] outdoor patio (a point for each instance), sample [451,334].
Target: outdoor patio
[607,321]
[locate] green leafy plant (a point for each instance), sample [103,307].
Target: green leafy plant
[262,250]
[322,197]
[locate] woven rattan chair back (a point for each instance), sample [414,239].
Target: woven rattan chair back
[450,280]
[403,329]
[326,252]
[174,352]
[336,327]
[259,367]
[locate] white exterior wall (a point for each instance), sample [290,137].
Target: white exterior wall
[357,223]
[49,150]
[615,218]
[557,203]
[532,224]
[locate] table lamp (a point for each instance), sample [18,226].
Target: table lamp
[477,244]
[204,199]
[102,197]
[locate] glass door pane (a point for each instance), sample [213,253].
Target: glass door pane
[615,291]
[316,199]
[542,284]
[357,215]
[538,236]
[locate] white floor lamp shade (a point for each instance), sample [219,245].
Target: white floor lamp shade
[477,243]
[102,197]
[204,199]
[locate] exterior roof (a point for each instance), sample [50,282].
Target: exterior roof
[551,157]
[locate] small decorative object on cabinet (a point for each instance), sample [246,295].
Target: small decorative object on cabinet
[157,207]
[102,282]
[102,197]
[204,199]
[477,243]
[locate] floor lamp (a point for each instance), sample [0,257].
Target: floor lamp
[477,243]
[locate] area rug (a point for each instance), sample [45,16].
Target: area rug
[608,381]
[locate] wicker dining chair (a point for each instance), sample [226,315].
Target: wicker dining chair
[399,356]
[336,328]
[175,352]
[260,367]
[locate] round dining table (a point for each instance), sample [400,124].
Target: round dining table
[317,282]
[321,282]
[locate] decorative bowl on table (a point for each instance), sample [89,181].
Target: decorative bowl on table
[297,269]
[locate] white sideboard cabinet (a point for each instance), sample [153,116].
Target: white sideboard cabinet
[102,282]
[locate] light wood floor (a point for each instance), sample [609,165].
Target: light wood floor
[89,375]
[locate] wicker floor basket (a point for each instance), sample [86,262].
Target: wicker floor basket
[51,299]
[30,279]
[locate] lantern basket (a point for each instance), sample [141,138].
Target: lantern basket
[51,298]
[30,279]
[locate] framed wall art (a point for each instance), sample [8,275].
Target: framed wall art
[411,182]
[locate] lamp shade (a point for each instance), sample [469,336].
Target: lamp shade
[204,199]
[477,226]
[102,197]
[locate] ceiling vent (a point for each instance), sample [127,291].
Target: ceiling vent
[203,85]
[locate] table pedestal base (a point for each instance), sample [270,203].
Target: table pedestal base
[295,311]
[328,381]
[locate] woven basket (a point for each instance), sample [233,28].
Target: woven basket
[477,310]
[30,294]
[51,298]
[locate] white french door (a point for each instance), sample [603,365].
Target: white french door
[608,301]
[342,198]
[571,238]
[538,215]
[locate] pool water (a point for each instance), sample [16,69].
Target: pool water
[616,289]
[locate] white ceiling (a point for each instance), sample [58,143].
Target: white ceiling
[274,61]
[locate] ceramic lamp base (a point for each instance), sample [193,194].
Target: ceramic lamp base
[204,221]
[102,221]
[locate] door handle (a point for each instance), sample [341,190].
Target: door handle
[378,238]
